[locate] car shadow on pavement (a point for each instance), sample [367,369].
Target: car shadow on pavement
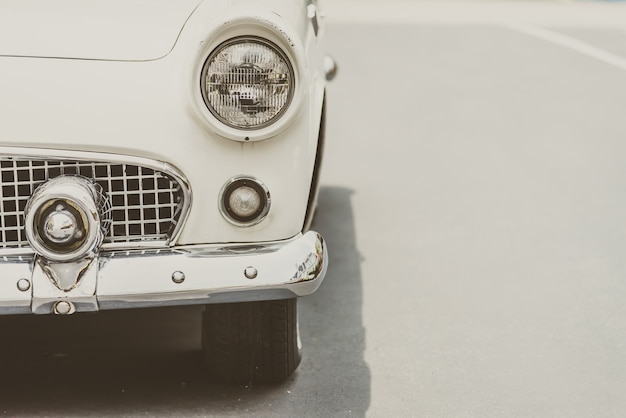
[147,361]
[333,331]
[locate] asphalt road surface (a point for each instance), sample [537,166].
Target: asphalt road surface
[474,202]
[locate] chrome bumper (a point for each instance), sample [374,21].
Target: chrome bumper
[177,276]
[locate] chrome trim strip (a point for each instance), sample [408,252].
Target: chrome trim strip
[52,154]
[108,246]
[177,276]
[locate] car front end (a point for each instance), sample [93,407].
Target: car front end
[174,161]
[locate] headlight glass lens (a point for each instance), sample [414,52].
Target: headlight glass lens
[247,83]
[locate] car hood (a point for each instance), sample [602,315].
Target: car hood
[120,30]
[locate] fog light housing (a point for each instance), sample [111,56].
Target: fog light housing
[244,201]
[65,218]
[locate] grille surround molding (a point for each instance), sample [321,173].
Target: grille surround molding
[91,160]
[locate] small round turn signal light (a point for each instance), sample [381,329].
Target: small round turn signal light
[244,201]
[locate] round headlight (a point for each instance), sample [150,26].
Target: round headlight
[247,83]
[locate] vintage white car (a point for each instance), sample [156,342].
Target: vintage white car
[165,152]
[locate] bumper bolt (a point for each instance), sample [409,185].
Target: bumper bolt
[250,272]
[178,277]
[23,285]
[62,308]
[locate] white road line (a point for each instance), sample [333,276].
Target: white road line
[529,18]
[540,13]
[570,43]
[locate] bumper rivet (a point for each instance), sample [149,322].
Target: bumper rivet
[178,277]
[62,308]
[250,272]
[23,285]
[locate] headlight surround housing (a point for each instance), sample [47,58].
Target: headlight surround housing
[247,83]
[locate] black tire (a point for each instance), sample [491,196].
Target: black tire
[252,342]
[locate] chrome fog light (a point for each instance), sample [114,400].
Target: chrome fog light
[244,201]
[62,225]
[64,218]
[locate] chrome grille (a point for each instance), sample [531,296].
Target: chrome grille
[146,203]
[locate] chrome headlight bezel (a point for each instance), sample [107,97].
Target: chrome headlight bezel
[271,30]
[285,97]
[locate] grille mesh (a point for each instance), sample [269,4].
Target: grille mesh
[146,204]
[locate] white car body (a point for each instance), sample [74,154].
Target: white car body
[131,88]
[120,81]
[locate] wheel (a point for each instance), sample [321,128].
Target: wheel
[252,342]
